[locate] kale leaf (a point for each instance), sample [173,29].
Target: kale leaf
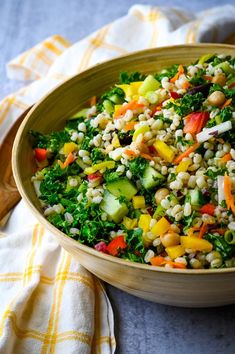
[187,104]
[221,245]
[137,166]
[127,78]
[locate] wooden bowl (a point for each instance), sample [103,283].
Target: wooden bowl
[187,288]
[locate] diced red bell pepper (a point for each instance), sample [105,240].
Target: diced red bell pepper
[208,209]
[195,122]
[94,176]
[116,245]
[174,95]
[40,154]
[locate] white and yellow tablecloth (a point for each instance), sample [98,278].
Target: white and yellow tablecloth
[48,302]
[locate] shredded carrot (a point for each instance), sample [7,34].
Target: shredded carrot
[129,126]
[131,153]
[227,103]
[203,230]
[69,160]
[186,153]
[93,101]
[157,261]
[227,157]
[191,231]
[146,156]
[160,261]
[227,191]
[186,85]
[124,108]
[179,72]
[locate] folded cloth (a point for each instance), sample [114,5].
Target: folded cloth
[49,302]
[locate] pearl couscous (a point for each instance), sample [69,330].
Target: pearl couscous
[147,173]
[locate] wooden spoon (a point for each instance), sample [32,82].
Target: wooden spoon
[9,195]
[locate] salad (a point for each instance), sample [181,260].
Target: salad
[146,172]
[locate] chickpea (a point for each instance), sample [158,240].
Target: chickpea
[161,194]
[217,98]
[170,239]
[219,79]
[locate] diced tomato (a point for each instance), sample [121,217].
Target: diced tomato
[94,176]
[152,149]
[174,95]
[195,122]
[40,154]
[208,209]
[116,245]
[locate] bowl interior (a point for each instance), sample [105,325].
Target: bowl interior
[51,112]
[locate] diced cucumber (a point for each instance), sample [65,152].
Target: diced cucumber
[116,99]
[226,67]
[122,187]
[196,197]
[149,84]
[152,97]
[80,114]
[108,106]
[151,178]
[111,205]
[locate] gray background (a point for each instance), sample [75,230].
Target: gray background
[141,327]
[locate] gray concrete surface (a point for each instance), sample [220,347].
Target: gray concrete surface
[141,327]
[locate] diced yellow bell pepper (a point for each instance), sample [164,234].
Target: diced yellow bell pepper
[161,227]
[115,141]
[138,202]
[130,224]
[144,222]
[183,166]
[136,97]
[135,87]
[196,243]
[126,88]
[141,130]
[69,147]
[99,166]
[116,108]
[164,151]
[175,251]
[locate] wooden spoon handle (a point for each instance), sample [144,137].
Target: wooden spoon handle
[9,195]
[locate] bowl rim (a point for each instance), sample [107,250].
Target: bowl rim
[53,229]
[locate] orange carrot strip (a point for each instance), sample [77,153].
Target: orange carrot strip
[69,160]
[131,105]
[227,103]
[131,153]
[203,230]
[129,126]
[186,85]
[157,261]
[93,101]
[179,72]
[227,157]
[146,156]
[186,153]
[160,261]
[227,191]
